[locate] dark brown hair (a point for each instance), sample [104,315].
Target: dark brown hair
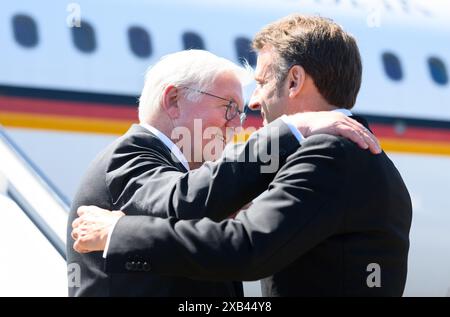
[327,53]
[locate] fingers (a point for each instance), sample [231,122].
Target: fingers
[372,141]
[78,232]
[81,244]
[77,222]
[78,246]
[82,210]
[91,228]
[349,132]
[74,234]
[337,124]
[78,225]
[369,140]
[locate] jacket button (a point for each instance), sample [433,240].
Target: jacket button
[146,267]
[128,266]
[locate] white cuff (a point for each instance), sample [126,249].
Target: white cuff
[105,252]
[298,135]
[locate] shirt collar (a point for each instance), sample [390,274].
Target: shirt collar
[347,112]
[167,142]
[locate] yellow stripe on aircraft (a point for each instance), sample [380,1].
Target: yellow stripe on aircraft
[117,127]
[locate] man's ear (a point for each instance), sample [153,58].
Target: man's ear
[296,80]
[169,102]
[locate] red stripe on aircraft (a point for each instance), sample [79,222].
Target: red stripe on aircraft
[388,131]
[411,133]
[67,108]
[125,112]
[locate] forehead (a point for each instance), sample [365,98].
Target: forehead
[227,85]
[264,63]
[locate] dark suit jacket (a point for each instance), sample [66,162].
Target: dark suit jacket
[139,175]
[331,211]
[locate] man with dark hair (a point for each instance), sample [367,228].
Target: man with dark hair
[327,54]
[335,219]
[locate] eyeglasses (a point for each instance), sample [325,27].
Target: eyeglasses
[232,107]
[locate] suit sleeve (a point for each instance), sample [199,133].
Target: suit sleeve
[301,208]
[145,183]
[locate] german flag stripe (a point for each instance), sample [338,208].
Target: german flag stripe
[112,114]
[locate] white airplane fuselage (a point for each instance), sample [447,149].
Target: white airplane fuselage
[63,102]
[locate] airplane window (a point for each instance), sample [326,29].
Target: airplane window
[244,51]
[438,70]
[25,30]
[392,66]
[84,37]
[192,40]
[139,41]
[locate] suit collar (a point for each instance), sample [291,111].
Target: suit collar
[156,134]
[174,149]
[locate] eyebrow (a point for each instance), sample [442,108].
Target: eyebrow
[236,102]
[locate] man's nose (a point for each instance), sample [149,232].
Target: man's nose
[254,103]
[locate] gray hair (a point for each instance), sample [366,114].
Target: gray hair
[196,69]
